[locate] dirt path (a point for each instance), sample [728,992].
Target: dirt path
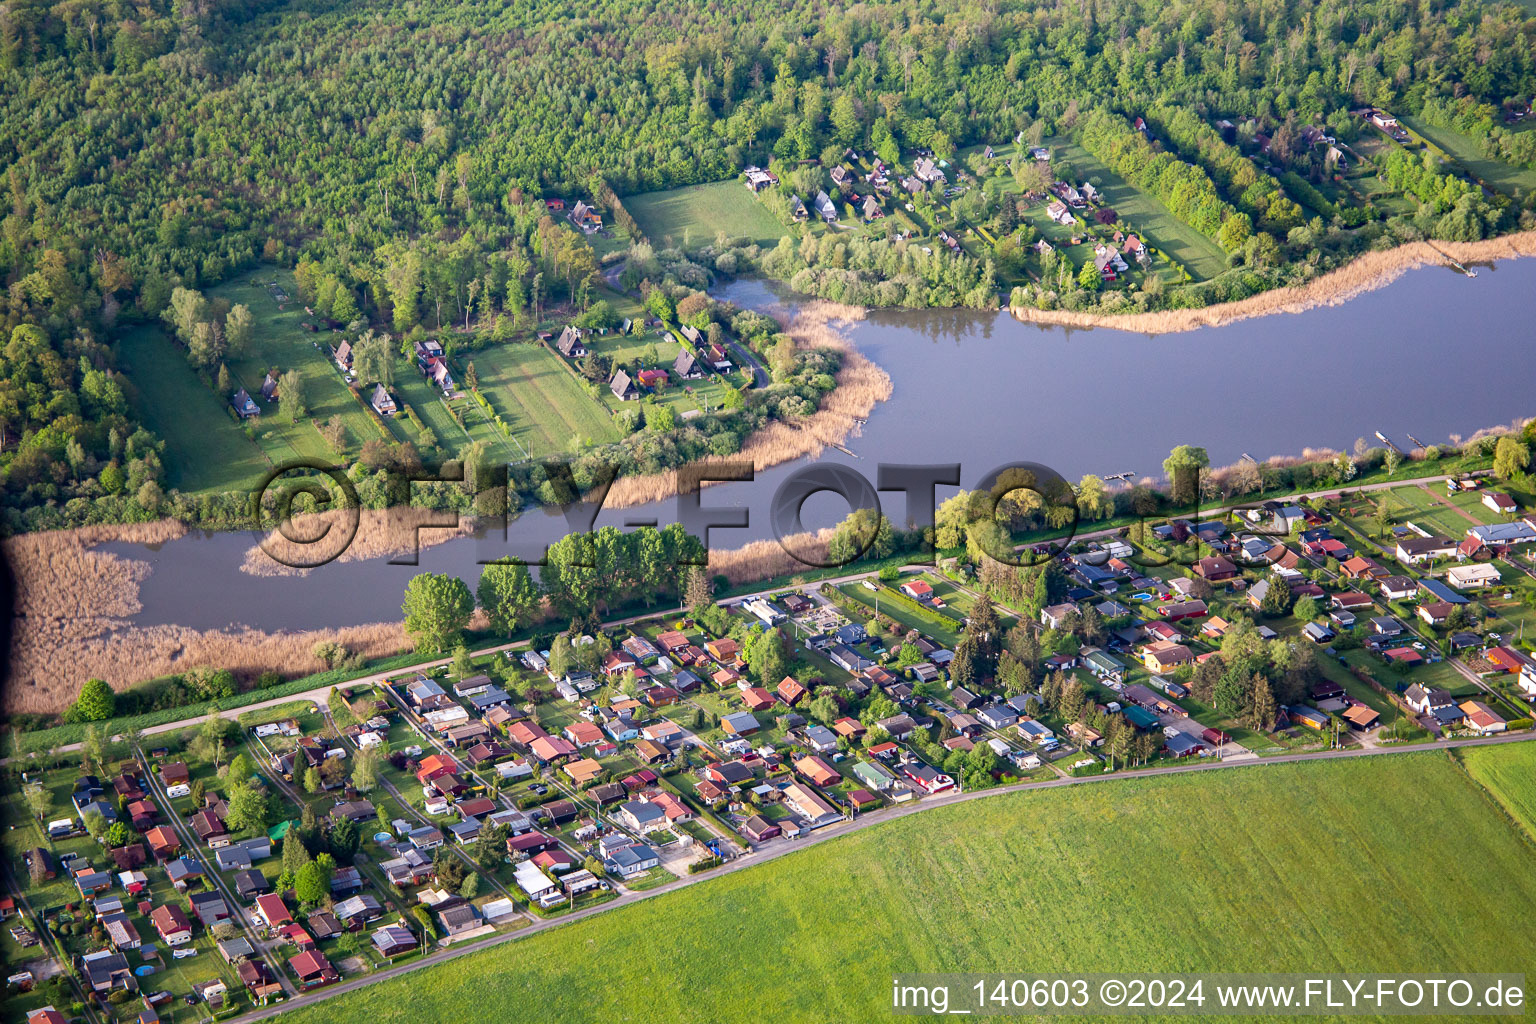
[1441,500]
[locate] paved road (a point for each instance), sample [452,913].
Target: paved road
[44,952]
[319,694]
[781,848]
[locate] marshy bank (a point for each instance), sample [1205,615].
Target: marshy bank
[73,620]
[978,388]
[1365,273]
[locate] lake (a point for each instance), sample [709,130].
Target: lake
[1432,354]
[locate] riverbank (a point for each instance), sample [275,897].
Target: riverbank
[861,385]
[1365,273]
[76,603]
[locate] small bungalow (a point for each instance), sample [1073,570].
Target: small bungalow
[381,401]
[245,407]
[312,969]
[623,388]
[759,829]
[569,343]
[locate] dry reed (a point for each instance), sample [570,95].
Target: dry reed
[1366,272]
[73,605]
[766,559]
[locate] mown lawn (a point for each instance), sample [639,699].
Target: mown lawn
[426,402]
[1497,174]
[1509,773]
[209,452]
[278,342]
[545,406]
[1413,504]
[658,349]
[693,215]
[1277,868]
[897,609]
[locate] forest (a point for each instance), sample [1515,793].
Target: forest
[397,154]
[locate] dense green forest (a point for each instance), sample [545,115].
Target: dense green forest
[398,152]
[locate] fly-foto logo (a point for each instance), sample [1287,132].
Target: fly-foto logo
[289,491]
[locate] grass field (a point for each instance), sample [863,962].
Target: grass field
[1150,217]
[211,451]
[543,404]
[278,341]
[1509,773]
[206,450]
[890,605]
[426,402]
[1286,867]
[1412,503]
[694,215]
[1496,174]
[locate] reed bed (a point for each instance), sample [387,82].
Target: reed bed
[74,603]
[380,534]
[48,661]
[766,559]
[1365,273]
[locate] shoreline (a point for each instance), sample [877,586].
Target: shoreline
[75,608]
[74,621]
[380,533]
[861,385]
[1365,273]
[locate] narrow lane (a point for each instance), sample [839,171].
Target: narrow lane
[190,842]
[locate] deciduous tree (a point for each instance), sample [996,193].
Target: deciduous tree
[437,608]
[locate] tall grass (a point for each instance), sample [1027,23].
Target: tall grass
[766,559]
[73,606]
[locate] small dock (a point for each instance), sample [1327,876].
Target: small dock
[1457,265]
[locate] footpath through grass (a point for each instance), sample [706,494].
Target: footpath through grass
[1315,866]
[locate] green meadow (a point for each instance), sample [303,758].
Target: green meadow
[694,215]
[1508,772]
